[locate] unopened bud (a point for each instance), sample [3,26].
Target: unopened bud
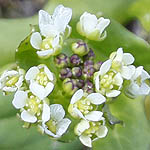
[75,60]
[90,55]
[88,63]
[80,48]
[98,65]
[70,86]
[80,83]
[62,60]
[77,72]
[88,87]
[88,72]
[65,73]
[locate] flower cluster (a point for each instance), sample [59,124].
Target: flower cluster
[75,84]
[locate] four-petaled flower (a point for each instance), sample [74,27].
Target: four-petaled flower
[53,122]
[138,83]
[121,62]
[108,81]
[52,29]
[30,105]
[91,27]
[12,80]
[89,131]
[41,81]
[84,106]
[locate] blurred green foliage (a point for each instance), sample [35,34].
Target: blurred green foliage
[136,130]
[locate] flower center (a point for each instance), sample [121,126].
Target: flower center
[12,81]
[46,44]
[116,65]
[34,106]
[138,81]
[84,105]
[94,127]
[52,125]
[42,78]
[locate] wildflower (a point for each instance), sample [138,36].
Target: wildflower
[52,29]
[91,27]
[89,131]
[138,83]
[121,62]
[107,81]
[84,106]
[31,106]
[41,81]
[53,122]
[12,80]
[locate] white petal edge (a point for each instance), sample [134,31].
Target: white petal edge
[96,98]
[94,116]
[48,89]
[113,93]
[36,40]
[27,117]
[77,96]
[46,113]
[102,132]
[45,53]
[48,73]
[86,140]
[19,100]
[128,59]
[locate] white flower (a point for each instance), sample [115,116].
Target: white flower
[138,83]
[52,28]
[121,62]
[11,80]
[30,105]
[90,131]
[91,27]
[41,81]
[84,106]
[107,81]
[53,122]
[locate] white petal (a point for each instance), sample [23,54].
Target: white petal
[96,80]
[78,113]
[86,140]
[138,72]
[81,127]
[94,116]
[119,55]
[48,73]
[127,71]
[77,96]
[19,100]
[9,89]
[117,80]
[48,89]
[113,93]
[44,19]
[128,59]
[102,132]
[62,15]
[46,113]
[19,82]
[144,89]
[89,22]
[27,117]
[102,24]
[45,53]
[37,90]
[96,98]
[32,73]
[36,40]
[55,41]
[9,73]
[144,75]
[62,126]
[105,67]
[57,112]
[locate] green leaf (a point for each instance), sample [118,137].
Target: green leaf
[134,135]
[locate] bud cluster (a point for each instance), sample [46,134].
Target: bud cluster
[77,70]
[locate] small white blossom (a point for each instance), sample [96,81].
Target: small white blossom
[84,106]
[52,29]
[41,81]
[91,27]
[138,83]
[53,122]
[30,105]
[108,81]
[12,80]
[121,62]
[89,131]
